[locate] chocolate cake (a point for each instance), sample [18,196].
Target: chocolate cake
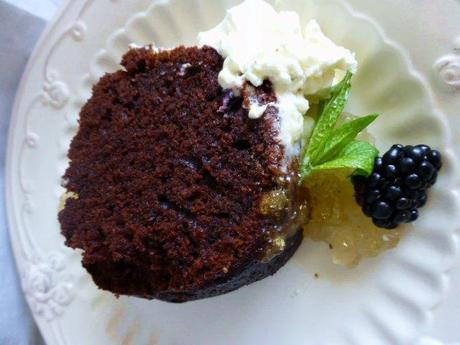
[168,174]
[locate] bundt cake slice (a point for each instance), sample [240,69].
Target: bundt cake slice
[170,181]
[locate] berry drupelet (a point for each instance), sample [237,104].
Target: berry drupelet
[397,187]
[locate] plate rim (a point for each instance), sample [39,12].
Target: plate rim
[50,338]
[40,47]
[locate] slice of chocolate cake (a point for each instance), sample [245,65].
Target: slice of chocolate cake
[177,193]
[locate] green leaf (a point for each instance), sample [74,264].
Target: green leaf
[342,136]
[357,155]
[335,148]
[330,112]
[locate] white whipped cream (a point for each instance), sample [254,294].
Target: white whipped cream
[259,43]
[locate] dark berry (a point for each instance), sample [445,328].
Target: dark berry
[390,171]
[406,165]
[392,156]
[433,180]
[398,181]
[375,180]
[416,153]
[393,193]
[413,194]
[372,196]
[386,224]
[360,194]
[413,181]
[398,185]
[359,183]
[434,157]
[382,210]
[385,183]
[381,223]
[403,204]
[402,217]
[378,165]
[407,148]
[426,170]
[391,225]
[424,148]
[421,200]
[358,180]
[367,210]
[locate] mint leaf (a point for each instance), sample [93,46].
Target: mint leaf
[342,136]
[328,116]
[357,155]
[336,148]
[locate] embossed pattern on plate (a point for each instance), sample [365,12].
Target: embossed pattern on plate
[387,299]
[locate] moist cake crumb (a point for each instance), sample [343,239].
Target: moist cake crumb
[170,171]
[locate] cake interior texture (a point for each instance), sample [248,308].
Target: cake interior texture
[168,172]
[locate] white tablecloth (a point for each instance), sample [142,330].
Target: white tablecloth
[21,22]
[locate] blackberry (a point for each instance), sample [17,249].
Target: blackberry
[397,187]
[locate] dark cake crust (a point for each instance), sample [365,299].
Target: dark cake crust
[169,172]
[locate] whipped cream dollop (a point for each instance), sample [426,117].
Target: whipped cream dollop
[258,43]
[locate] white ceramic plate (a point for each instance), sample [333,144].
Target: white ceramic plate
[384,301]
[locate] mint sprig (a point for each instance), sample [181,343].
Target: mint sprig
[332,147]
[358,155]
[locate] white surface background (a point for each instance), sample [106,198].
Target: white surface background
[446,320]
